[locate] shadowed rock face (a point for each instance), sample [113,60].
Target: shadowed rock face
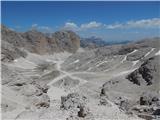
[60,41]
[72,100]
[149,98]
[11,42]
[36,42]
[147,73]
[10,52]
[67,40]
[12,37]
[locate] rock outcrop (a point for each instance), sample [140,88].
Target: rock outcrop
[147,73]
[14,43]
[72,100]
[150,99]
[66,41]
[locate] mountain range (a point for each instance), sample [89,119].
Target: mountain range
[56,77]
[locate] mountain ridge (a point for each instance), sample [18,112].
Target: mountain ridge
[37,42]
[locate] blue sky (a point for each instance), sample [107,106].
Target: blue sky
[112,21]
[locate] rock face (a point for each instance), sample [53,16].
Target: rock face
[11,43]
[59,42]
[36,42]
[150,98]
[66,40]
[148,107]
[92,42]
[83,111]
[147,73]
[28,81]
[72,100]
[10,52]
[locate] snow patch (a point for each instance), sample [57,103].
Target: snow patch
[125,72]
[157,53]
[124,59]
[132,52]
[101,63]
[135,62]
[90,68]
[15,60]
[149,52]
[76,61]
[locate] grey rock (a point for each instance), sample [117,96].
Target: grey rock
[150,98]
[67,40]
[83,112]
[103,100]
[157,112]
[10,52]
[36,42]
[147,73]
[72,100]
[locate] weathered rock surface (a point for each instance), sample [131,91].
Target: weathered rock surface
[67,40]
[39,80]
[83,111]
[36,42]
[72,100]
[66,83]
[147,73]
[150,98]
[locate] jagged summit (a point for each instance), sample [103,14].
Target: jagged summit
[37,42]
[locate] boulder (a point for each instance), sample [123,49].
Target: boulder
[72,100]
[83,112]
[149,98]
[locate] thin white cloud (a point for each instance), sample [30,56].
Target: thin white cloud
[71,26]
[91,25]
[41,28]
[85,26]
[45,28]
[34,25]
[114,26]
[144,23]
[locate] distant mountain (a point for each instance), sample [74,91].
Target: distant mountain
[92,42]
[118,42]
[122,79]
[36,42]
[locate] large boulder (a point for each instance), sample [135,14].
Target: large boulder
[149,98]
[83,112]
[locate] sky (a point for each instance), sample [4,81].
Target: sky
[112,21]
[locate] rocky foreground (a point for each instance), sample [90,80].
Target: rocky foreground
[52,78]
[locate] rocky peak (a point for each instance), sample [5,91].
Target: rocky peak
[67,40]
[37,42]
